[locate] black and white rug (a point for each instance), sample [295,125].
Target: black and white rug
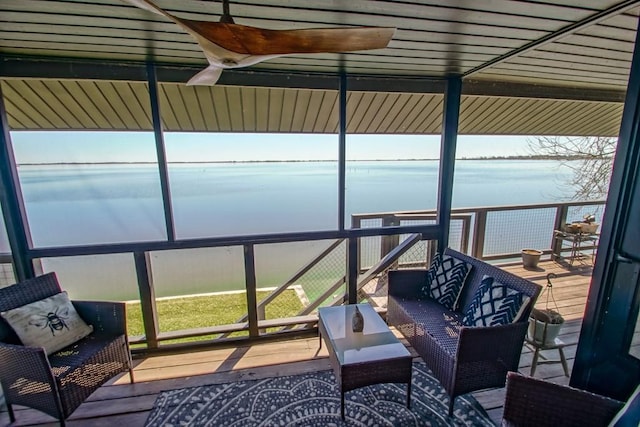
[314,400]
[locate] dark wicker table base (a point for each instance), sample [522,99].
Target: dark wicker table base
[368,372]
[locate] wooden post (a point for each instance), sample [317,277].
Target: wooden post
[390,241]
[432,248]
[466,225]
[147,298]
[251,286]
[356,222]
[479,229]
[558,223]
[352,270]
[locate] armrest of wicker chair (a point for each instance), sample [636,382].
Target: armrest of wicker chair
[26,371]
[496,348]
[482,343]
[29,363]
[107,317]
[534,402]
[406,283]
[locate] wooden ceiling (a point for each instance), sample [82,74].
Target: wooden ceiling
[581,45]
[72,105]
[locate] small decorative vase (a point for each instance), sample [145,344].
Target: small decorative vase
[357,321]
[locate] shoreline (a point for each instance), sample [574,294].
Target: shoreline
[511,158]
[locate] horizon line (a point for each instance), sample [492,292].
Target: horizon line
[516,157]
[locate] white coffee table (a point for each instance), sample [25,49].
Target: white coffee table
[359,359]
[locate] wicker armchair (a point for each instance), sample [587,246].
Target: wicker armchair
[57,384]
[533,402]
[463,359]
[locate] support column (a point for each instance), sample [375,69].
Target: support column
[603,363]
[352,243]
[147,298]
[12,203]
[448,142]
[160,150]
[342,149]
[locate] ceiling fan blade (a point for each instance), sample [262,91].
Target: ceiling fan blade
[207,77]
[150,6]
[247,40]
[259,41]
[230,45]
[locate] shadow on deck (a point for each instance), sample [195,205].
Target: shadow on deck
[122,403]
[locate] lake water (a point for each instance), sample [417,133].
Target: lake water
[80,204]
[91,204]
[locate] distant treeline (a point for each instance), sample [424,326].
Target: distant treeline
[528,157]
[533,157]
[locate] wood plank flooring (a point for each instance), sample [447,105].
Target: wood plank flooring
[121,403]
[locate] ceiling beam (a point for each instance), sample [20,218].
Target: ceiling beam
[539,91]
[56,68]
[563,32]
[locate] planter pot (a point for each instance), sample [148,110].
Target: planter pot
[581,227]
[537,331]
[589,228]
[531,257]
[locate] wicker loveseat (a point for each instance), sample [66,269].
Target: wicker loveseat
[462,358]
[57,384]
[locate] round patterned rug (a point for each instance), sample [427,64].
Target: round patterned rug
[314,400]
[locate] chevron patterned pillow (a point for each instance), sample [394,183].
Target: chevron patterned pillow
[494,304]
[445,279]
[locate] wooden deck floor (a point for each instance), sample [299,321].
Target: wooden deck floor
[122,403]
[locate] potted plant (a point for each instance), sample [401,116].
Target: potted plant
[545,324]
[589,224]
[530,257]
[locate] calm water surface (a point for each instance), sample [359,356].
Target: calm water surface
[91,204]
[72,205]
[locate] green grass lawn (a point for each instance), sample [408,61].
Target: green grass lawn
[210,310]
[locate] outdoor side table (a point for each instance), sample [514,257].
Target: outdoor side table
[359,359]
[578,242]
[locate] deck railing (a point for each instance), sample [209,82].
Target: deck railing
[490,233]
[493,233]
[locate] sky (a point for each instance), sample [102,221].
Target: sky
[84,146]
